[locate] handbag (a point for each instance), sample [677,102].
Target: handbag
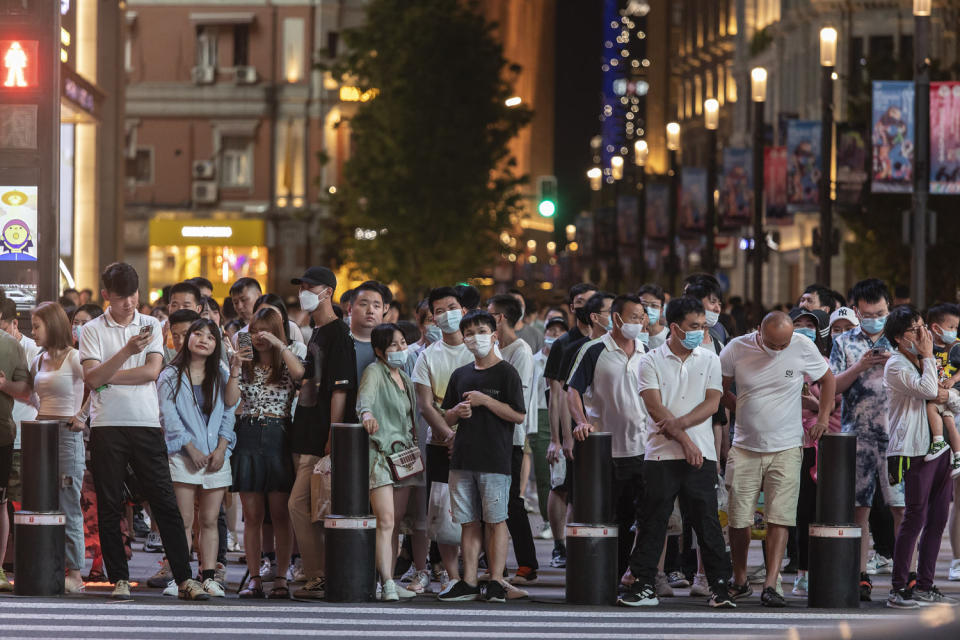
[405,463]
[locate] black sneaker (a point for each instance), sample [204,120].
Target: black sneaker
[460,592]
[558,559]
[866,588]
[720,599]
[495,592]
[902,599]
[737,591]
[932,596]
[770,598]
[639,596]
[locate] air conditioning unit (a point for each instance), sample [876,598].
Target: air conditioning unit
[204,192]
[203,169]
[246,75]
[203,75]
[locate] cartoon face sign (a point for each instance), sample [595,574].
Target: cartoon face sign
[15,240]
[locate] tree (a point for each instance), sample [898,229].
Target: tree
[430,170]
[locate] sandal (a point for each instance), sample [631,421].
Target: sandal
[253,589]
[279,591]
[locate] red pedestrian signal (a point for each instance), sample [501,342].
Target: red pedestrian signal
[17,68]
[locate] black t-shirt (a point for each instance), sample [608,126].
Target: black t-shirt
[551,370]
[570,358]
[484,441]
[330,351]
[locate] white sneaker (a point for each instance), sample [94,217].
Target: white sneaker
[664,590]
[700,587]
[268,570]
[213,588]
[546,533]
[879,564]
[172,589]
[234,542]
[121,590]
[295,571]
[153,543]
[800,585]
[392,592]
[420,582]
[953,574]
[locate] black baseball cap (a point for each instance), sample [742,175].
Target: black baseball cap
[317,276]
[820,318]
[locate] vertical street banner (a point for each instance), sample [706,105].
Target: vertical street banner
[804,164]
[893,137]
[775,186]
[851,164]
[736,188]
[693,199]
[945,137]
[626,220]
[657,202]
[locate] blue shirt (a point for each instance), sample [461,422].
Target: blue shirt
[865,402]
[182,417]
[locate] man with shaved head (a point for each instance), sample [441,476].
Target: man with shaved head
[768,368]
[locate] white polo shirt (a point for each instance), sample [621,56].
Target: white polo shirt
[519,354]
[612,378]
[683,385]
[121,405]
[769,385]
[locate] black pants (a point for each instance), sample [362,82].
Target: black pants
[222,536]
[664,481]
[144,449]
[806,508]
[517,521]
[881,525]
[627,493]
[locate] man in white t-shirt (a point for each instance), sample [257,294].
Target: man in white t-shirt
[681,386]
[122,355]
[768,367]
[431,374]
[507,312]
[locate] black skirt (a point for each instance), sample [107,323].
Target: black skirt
[261,461]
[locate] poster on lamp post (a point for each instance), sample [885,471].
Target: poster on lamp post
[693,199]
[804,164]
[775,186]
[945,137]
[658,195]
[893,137]
[626,231]
[736,188]
[851,164]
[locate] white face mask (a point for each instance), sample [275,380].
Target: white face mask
[449,322]
[631,331]
[712,318]
[309,301]
[479,344]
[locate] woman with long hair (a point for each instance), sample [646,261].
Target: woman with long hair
[261,462]
[290,329]
[198,397]
[58,387]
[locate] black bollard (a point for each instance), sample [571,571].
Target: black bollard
[350,480]
[40,528]
[592,488]
[837,478]
[834,578]
[350,531]
[592,541]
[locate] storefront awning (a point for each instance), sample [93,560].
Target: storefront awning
[222,17]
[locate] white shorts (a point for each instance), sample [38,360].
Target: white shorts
[183,471]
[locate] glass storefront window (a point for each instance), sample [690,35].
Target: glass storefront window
[222,265]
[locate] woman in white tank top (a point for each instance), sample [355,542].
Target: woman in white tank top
[58,395]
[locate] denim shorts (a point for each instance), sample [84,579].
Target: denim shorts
[475,496]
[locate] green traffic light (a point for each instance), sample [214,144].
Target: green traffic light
[547,208]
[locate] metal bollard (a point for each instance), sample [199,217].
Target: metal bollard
[834,538]
[592,545]
[350,531]
[40,528]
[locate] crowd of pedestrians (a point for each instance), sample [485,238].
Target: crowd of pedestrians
[199,414]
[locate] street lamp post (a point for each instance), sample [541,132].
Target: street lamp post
[595,176]
[711,117]
[616,172]
[758,91]
[921,166]
[673,148]
[828,62]
[640,153]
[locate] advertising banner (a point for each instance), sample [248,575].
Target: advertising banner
[851,164]
[775,185]
[893,137]
[657,202]
[945,137]
[736,188]
[693,199]
[804,164]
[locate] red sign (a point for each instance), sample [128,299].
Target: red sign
[18,64]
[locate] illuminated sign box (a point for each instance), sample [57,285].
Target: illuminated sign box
[18,64]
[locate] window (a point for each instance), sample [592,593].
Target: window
[206,46]
[236,161]
[241,45]
[140,167]
[293,67]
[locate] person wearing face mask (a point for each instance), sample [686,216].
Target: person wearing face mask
[768,367]
[605,377]
[386,404]
[507,312]
[327,395]
[540,441]
[486,399]
[943,320]
[857,360]
[841,321]
[911,379]
[654,301]
[429,331]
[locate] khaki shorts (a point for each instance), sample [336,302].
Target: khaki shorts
[776,474]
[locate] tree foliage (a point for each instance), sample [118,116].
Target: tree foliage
[429,160]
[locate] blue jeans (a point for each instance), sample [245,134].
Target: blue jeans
[476,496]
[71,480]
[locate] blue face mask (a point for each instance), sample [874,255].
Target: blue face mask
[644,337]
[692,339]
[396,359]
[609,325]
[873,326]
[652,313]
[948,337]
[549,341]
[912,349]
[808,332]
[434,334]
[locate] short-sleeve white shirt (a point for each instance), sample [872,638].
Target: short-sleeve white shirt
[121,405]
[683,385]
[769,385]
[436,364]
[519,354]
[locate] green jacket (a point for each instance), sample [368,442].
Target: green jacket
[13,364]
[381,396]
